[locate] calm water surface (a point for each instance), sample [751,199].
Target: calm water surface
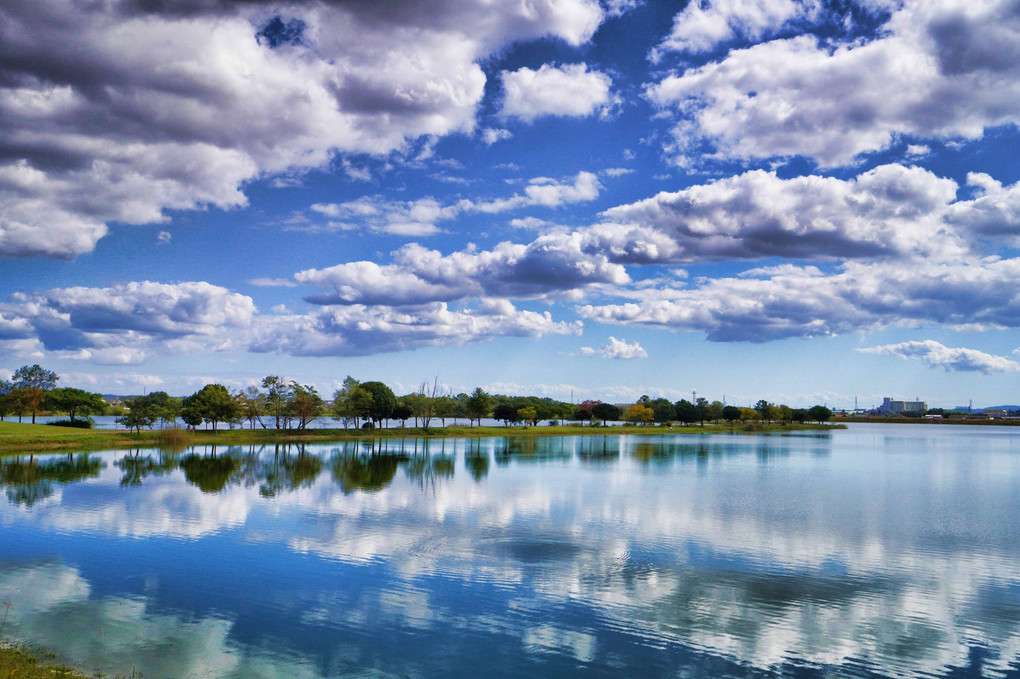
[881,551]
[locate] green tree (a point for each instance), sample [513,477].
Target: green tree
[278,392]
[416,405]
[765,410]
[6,400]
[383,401]
[819,414]
[663,411]
[478,405]
[351,402]
[605,412]
[304,404]
[686,411]
[784,414]
[506,412]
[403,411]
[529,414]
[446,406]
[33,381]
[214,404]
[714,410]
[253,405]
[190,414]
[136,418]
[74,402]
[799,415]
[701,409]
[159,405]
[730,413]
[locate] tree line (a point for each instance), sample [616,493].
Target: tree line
[33,389]
[287,404]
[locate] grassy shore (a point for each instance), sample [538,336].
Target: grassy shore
[20,439]
[18,662]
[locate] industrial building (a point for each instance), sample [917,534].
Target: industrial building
[891,406]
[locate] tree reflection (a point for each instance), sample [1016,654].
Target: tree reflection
[137,466]
[599,450]
[210,473]
[360,467]
[533,449]
[428,470]
[31,481]
[301,470]
[476,460]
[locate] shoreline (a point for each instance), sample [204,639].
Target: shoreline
[913,420]
[19,661]
[24,439]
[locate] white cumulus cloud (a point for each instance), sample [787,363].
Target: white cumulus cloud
[420,217]
[937,355]
[947,69]
[703,24]
[121,111]
[357,330]
[570,90]
[616,348]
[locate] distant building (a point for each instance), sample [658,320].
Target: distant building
[891,406]
[994,413]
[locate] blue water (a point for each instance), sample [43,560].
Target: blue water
[879,551]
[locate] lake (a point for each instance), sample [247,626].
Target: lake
[877,551]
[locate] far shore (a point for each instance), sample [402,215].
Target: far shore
[916,420]
[21,439]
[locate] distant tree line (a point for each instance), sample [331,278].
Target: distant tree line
[33,389]
[287,404]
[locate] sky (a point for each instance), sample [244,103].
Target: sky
[806,201]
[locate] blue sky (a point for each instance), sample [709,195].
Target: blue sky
[799,200]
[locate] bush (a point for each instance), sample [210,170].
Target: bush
[81,423]
[174,438]
[368,425]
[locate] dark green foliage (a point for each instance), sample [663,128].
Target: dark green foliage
[384,401]
[687,412]
[819,414]
[663,410]
[478,404]
[210,474]
[365,474]
[402,412]
[731,414]
[605,412]
[505,412]
[82,423]
[213,403]
[74,402]
[136,418]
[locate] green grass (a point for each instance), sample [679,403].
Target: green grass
[21,439]
[19,662]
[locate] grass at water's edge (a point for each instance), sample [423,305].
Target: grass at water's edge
[20,662]
[19,439]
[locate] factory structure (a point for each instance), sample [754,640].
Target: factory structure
[899,407]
